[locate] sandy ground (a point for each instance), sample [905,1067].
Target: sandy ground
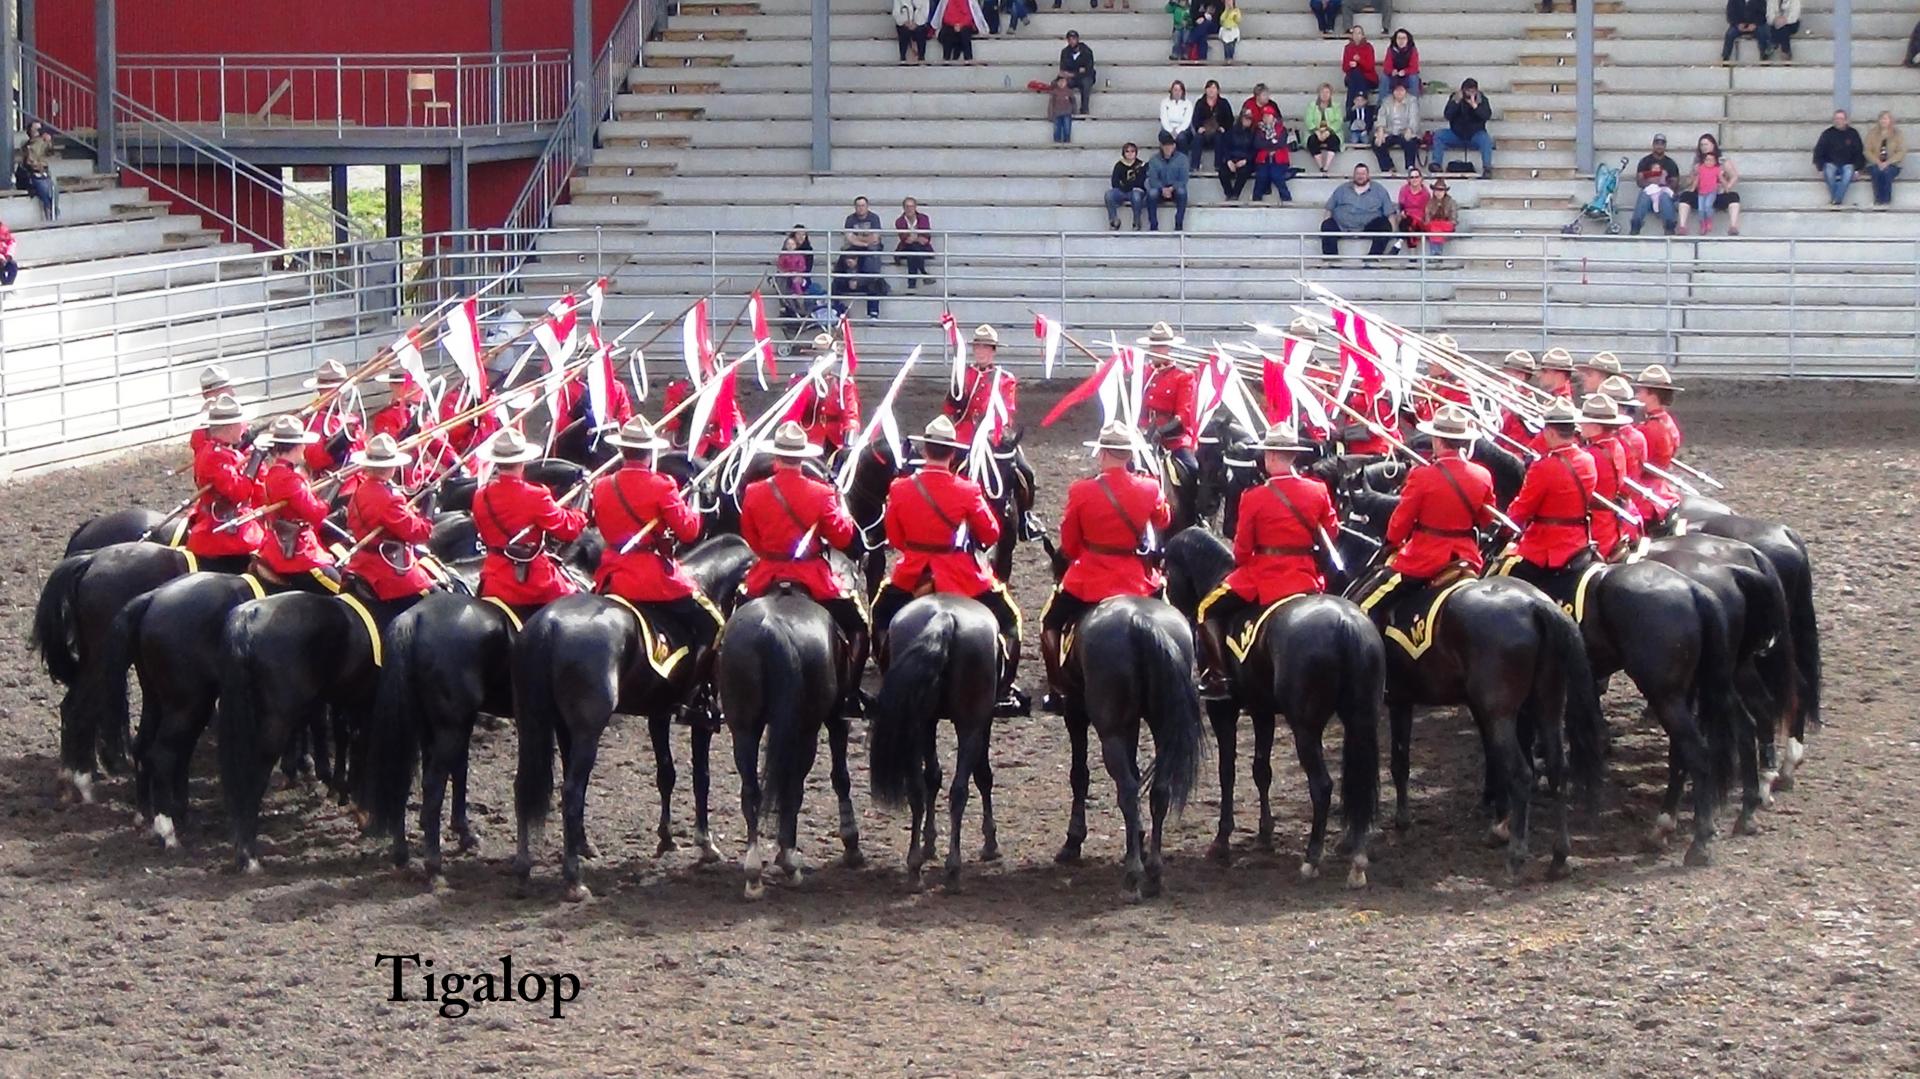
[1795,954]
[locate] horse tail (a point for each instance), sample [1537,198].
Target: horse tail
[1778,669]
[101,695]
[782,695]
[53,628]
[1797,579]
[536,715]
[1172,702]
[909,698]
[1723,721]
[1362,692]
[393,742]
[236,713]
[1586,726]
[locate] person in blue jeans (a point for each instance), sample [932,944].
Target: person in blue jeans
[1272,163]
[1326,13]
[1167,177]
[1467,114]
[1838,156]
[1128,186]
[1060,109]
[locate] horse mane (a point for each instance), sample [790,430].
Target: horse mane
[1196,562]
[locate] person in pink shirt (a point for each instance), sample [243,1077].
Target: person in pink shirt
[1413,201]
[9,266]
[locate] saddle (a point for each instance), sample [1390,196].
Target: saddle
[1567,588]
[1410,617]
[1243,629]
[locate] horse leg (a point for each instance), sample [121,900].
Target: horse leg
[344,766]
[436,771]
[660,729]
[1226,734]
[918,844]
[1160,802]
[702,778]
[1122,767]
[983,783]
[162,767]
[1688,753]
[1400,754]
[462,824]
[1313,761]
[972,750]
[578,767]
[930,783]
[1515,766]
[1077,778]
[843,790]
[1263,774]
[746,761]
[1765,727]
[1753,790]
[1664,824]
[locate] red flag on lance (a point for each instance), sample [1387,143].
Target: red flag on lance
[1048,332]
[596,295]
[695,346]
[849,360]
[407,351]
[762,339]
[1087,389]
[557,333]
[462,342]
[1356,350]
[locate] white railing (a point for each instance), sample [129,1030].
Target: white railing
[461,93]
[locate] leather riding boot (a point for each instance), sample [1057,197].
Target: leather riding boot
[1050,656]
[1012,701]
[856,698]
[1213,662]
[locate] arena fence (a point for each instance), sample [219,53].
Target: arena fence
[91,363]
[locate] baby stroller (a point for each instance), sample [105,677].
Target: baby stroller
[804,316]
[1606,181]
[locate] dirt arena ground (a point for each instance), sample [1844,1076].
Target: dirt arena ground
[1796,954]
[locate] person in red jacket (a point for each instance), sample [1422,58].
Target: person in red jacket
[291,554]
[1168,402]
[515,518]
[789,520]
[336,426]
[227,490]
[1556,373]
[828,407]
[575,426]
[462,439]
[1375,437]
[1519,368]
[403,416]
[1552,508]
[1594,371]
[1285,525]
[985,378]
[1600,424]
[1110,523]
[640,513]
[1655,390]
[1359,66]
[723,425]
[1442,506]
[386,529]
[936,521]
[214,381]
[1633,443]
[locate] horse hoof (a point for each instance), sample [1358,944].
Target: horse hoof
[1784,782]
[1699,855]
[577,892]
[83,788]
[1069,855]
[250,867]
[1745,825]
[1796,752]
[1150,888]
[952,880]
[1357,874]
[990,852]
[1767,782]
[523,868]
[469,841]
[665,846]
[588,850]
[1309,871]
[361,818]
[756,889]
[1559,869]
[1220,852]
[164,831]
[853,859]
[437,883]
[1265,839]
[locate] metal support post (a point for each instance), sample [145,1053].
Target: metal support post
[396,220]
[583,72]
[29,97]
[103,74]
[338,183]
[1843,54]
[822,65]
[1583,86]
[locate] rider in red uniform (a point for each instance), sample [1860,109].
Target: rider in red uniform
[985,377]
[1633,443]
[1556,378]
[1110,522]
[224,476]
[386,530]
[1595,371]
[641,514]
[828,407]
[1170,412]
[1655,389]
[1600,424]
[1285,526]
[336,425]
[1551,509]
[936,521]
[214,381]
[291,553]
[723,425]
[1518,368]
[515,518]
[1442,506]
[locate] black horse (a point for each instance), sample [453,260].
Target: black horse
[1314,657]
[944,661]
[291,659]
[580,660]
[779,677]
[125,526]
[71,621]
[1131,659]
[867,490]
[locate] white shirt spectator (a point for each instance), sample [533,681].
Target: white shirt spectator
[912,12]
[1176,115]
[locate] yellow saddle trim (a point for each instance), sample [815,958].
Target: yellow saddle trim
[366,619]
[193,560]
[1242,643]
[1579,607]
[1421,639]
[513,619]
[259,590]
[658,657]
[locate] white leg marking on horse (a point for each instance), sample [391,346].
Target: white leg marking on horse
[83,786]
[163,827]
[1663,824]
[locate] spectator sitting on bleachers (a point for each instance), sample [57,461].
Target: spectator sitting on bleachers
[1060,109]
[862,236]
[1839,155]
[958,21]
[1230,28]
[1324,113]
[1167,177]
[1443,216]
[1402,63]
[1656,175]
[1361,116]
[1235,157]
[1913,47]
[802,244]
[913,243]
[910,27]
[1323,145]
[1272,164]
[1359,66]
[36,168]
[1176,117]
[1746,18]
[1783,21]
[9,266]
[1204,23]
[1706,188]
[1728,198]
[1397,128]
[1182,16]
[1414,201]
[1885,150]
[1262,103]
[1076,63]
[1359,206]
[1326,13]
[851,282]
[1212,120]
[796,283]
[1127,186]
[1016,11]
[1467,114]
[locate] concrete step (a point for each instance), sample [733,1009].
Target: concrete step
[62,282]
[74,243]
[887,78]
[21,214]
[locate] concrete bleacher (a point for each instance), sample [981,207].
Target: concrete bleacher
[713,133]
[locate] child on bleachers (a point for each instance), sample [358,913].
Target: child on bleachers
[9,266]
[1060,109]
[1230,28]
[1706,185]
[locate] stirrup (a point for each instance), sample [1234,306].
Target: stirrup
[1015,703]
[1030,527]
[1053,704]
[1214,687]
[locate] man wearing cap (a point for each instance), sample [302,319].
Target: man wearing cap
[641,514]
[829,405]
[1656,170]
[1594,371]
[1104,533]
[1518,368]
[575,426]
[336,426]
[1556,378]
[1655,389]
[291,552]
[789,520]
[1076,63]
[227,489]
[1633,445]
[515,518]
[385,529]
[935,521]
[1600,423]
[1442,506]
[214,381]
[1168,403]
[985,377]
[1552,508]
[1284,526]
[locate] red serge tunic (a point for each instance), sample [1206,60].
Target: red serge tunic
[284,483]
[1551,508]
[775,514]
[924,513]
[829,410]
[376,505]
[1610,467]
[1102,543]
[969,410]
[501,510]
[1169,393]
[627,503]
[220,469]
[1273,547]
[1433,525]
